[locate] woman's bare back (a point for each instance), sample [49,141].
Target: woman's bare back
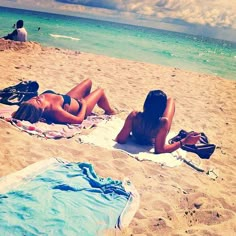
[144,131]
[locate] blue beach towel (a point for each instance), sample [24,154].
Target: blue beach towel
[54,197]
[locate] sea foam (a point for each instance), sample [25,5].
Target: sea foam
[63,36]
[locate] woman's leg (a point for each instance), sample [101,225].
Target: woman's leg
[169,111]
[81,90]
[98,97]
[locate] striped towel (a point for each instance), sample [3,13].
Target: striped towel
[49,131]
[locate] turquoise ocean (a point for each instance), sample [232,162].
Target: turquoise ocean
[189,52]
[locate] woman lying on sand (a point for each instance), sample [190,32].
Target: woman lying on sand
[153,124]
[71,108]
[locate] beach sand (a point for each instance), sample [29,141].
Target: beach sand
[173,201]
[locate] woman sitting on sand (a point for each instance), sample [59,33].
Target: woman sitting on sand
[153,124]
[72,107]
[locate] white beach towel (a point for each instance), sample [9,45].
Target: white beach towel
[106,132]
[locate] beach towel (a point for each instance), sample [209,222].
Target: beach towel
[50,131]
[105,133]
[56,197]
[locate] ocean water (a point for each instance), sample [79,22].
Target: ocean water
[194,53]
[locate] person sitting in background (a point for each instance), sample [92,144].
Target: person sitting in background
[153,124]
[71,108]
[19,34]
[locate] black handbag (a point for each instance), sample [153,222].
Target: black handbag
[203,149]
[15,95]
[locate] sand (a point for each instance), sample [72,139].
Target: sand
[174,201]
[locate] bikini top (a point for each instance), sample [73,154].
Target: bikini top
[66,98]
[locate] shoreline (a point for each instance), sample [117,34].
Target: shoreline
[146,62]
[173,200]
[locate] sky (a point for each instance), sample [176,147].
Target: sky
[213,18]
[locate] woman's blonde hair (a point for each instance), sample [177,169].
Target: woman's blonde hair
[28,112]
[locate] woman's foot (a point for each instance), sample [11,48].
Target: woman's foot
[111,112]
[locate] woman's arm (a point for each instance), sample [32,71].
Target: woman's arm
[127,128]
[58,114]
[160,141]
[62,116]
[82,113]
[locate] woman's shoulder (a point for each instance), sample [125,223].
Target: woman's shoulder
[163,121]
[132,114]
[49,91]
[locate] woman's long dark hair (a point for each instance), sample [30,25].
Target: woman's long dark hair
[148,121]
[154,105]
[28,112]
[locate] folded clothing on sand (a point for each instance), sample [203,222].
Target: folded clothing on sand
[54,197]
[106,132]
[49,131]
